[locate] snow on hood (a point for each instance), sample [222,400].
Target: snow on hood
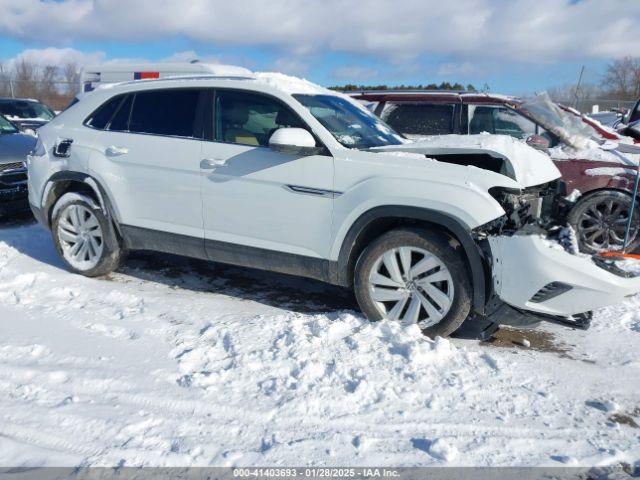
[591,150]
[527,166]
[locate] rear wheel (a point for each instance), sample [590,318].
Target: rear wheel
[414,276]
[84,237]
[600,221]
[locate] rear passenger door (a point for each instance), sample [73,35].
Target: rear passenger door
[417,119]
[148,159]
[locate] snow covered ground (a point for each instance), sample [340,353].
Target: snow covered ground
[176,362]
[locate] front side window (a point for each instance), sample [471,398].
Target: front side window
[416,118]
[351,125]
[165,112]
[250,119]
[504,121]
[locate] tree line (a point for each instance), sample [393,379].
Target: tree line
[350,87]
[54,85]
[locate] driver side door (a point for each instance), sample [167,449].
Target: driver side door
[256,197]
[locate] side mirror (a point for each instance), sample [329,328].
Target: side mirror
[538,142]
[293,140]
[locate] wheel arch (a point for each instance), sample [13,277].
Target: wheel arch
[379,220]
[68,181]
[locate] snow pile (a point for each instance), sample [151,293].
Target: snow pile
[180,363]
[609,171]
[290,84]
[592,151]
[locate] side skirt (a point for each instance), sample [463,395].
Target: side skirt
[138,238]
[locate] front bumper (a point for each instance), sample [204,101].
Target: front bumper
[537,275]
[13,199]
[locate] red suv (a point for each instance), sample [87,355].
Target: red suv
[598,180]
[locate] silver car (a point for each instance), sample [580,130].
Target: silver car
[14,147]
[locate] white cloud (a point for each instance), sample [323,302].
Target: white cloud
[525,30]
[291,66]
[355,73]
[54,56]
[456,69]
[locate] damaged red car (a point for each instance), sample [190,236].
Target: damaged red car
[599,180]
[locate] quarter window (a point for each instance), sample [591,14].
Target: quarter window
[120,121]
[250,119]
[413,118]
[165,112]
[100,118]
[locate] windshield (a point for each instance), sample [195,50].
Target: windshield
[568,126]
[6,126]
[351,125]
[22,109]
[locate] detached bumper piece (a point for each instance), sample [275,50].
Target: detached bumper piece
[537,276]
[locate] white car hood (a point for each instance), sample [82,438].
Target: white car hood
[526,165]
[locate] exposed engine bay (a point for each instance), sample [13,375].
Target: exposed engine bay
[543,206]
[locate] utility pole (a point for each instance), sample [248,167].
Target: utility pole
[577,95]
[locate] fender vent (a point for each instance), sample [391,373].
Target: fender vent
[63,148]
[549,291]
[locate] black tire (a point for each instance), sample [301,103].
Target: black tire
[583,220]
[112,252]
[449,252]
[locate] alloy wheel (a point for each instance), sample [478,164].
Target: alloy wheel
[80,237]
[602,225]
[411,285]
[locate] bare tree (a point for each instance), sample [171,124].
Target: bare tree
[25,79]
[622,78]
[71,76]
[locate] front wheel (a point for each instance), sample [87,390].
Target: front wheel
[414,276]
[84,237]
[600,221]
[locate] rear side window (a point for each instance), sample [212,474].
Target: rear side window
[419,118]
[100,118]
[165,112]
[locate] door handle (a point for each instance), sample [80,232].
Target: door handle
[114,151]
[211,163]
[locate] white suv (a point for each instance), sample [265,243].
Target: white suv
[276,173]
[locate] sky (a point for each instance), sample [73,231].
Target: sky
[512,46]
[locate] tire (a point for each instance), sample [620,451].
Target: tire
[448,293]
[600,220]
[90,227]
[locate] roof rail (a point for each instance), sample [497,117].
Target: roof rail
[196,76]
[404,91]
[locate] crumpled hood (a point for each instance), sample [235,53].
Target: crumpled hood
[14,147]
[524,164]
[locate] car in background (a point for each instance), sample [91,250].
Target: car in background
[609,119]
[600,181]
[26,113]
[14,147]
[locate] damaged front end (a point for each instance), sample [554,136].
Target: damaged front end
[534,267]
